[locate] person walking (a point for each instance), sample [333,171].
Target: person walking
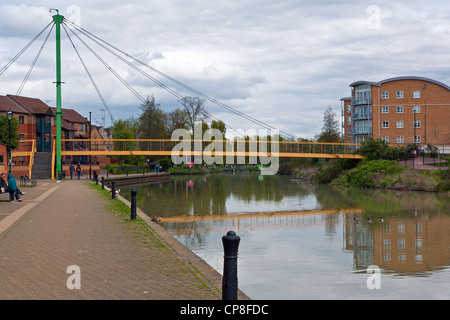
[78,171]
[72,169]
[12,188]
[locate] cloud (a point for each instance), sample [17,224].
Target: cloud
[284,62]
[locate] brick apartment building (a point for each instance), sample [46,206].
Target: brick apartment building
[401,111]
[37,121]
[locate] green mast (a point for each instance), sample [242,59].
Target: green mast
[58,20]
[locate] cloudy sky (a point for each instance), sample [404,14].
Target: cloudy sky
[281,62]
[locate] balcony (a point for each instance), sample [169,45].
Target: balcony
[356,101]
[362,131]
[362,116]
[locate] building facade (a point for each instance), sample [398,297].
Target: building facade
[401,111]
[37,122]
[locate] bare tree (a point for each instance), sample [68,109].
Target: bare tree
[195,110]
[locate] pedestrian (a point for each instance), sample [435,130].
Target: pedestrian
[3,185]
[78,171]
[72,169]
[12,188]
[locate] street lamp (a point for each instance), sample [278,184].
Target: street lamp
[9,114]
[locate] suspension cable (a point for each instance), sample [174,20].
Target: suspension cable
[91,36]
[34,63]
[23,50]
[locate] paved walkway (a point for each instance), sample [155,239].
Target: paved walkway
[420,163]
[62,226]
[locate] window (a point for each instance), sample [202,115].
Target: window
[384,109]
[385,95]
[385,124]
[386,139]
[400,139]
[416,109]
[399,109]
[401,243]
[416,94]
[349,132]
[417,124]
[80,127]
[417,139]
[349,108]
[21,119]
[400,124]
[399,94]
[21,136]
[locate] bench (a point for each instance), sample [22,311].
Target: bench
[24,181]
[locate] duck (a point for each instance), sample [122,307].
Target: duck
[381,220]
[156,219]
[117,191]
[369,220]
[355,220]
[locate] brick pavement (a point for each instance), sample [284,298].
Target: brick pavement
[68,223]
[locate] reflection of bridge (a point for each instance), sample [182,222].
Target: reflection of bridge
[253,221]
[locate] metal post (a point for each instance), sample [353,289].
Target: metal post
[133,204]
[58,20]
[113,189]
[90,145]
[103,183]
[230,279]
[9,113]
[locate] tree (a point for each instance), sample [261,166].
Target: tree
[152,121]
[177,119]
[195,110]
[4,131]
[330,129]
[219,125]
[126,130]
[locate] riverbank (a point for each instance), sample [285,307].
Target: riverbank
[386,174]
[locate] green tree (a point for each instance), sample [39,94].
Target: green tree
[177,119]
[4,131]
[330,129]
[219,125]
[152,121]
[126,129]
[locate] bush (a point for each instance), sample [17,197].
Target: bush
[444,183]
[375,149]
[368,173]
[184,169]
[331,170]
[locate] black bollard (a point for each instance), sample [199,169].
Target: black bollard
[230,279]
[113,189]
[103,183]
[133,204]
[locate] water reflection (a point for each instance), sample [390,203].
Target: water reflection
[301,241]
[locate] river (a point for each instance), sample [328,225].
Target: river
[300,241]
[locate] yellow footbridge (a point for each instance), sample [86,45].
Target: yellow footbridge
[216,148]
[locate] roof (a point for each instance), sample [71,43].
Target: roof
[71,115]
[6,105]
[32,105]
[377,84]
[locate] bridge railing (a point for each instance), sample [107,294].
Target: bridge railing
[229,147]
